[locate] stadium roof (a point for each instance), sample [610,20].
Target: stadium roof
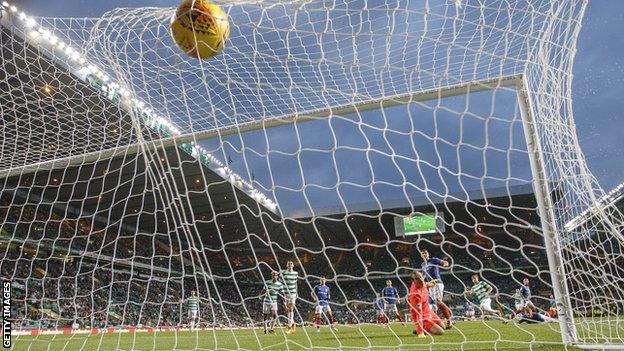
[73,113]
[614,198]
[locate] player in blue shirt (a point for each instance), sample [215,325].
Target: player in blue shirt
[380,306]
[320,294]
[525,293]
[530,316]
[431,271]
[391,295]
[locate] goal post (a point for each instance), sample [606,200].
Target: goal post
[547,219]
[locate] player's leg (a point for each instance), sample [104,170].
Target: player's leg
[317,317]
[291,311]
[547,319]
[395,310]
[520,307]
[330,316]
[265,317]
[387,313]
[392,310]
[486,309]
[274,316]
[518,312]
[273,319]
[434,327]
[446,311]
[192,317]
[291,315]
[517,309]
[523,319]
[432,299]
[438,296]
[287,309]
[414,316]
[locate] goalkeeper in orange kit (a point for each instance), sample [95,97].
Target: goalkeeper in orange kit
[426,321]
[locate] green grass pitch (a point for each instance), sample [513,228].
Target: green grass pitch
[476,335]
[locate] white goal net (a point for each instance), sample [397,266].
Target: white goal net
[146,196]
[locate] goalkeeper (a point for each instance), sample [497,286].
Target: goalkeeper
[426,321]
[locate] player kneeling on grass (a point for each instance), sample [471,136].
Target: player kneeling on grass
[426,321]
[320,294]
[272,289]
[481,292]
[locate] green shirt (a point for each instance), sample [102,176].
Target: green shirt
[272,291]
[480,291]
[517,298]
[290,281]
[193,303]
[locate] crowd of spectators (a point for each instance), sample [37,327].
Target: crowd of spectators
[80,294]
[67,273]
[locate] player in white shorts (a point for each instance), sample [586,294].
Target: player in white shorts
[269,308]
[481,292]
[289,278]
[272,289]
[192,304]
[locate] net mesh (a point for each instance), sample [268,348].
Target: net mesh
[133,175]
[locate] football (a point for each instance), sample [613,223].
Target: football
[200,28]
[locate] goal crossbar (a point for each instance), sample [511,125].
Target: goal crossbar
[272,122]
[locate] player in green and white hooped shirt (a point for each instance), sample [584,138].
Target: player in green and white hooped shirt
[481,290]
[517,296]
[272,289]
[192,304]
[289,278]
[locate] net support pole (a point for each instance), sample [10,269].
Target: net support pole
[547,217]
